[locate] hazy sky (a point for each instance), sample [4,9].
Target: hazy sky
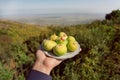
[8,7]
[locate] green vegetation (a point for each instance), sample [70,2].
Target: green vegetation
[99,59]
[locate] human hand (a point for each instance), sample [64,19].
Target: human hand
[44,63]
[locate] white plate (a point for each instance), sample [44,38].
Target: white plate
[65,56]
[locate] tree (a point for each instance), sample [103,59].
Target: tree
[114,16]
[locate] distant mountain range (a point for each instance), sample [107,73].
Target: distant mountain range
[55,19]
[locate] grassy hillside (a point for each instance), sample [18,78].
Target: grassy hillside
[99,59]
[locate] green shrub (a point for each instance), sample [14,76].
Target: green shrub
[5,73]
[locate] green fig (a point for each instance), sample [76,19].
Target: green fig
[72,46]
[63,35]
[60,49]
[60,41]
[53,37]
[71,38]
[49,44]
